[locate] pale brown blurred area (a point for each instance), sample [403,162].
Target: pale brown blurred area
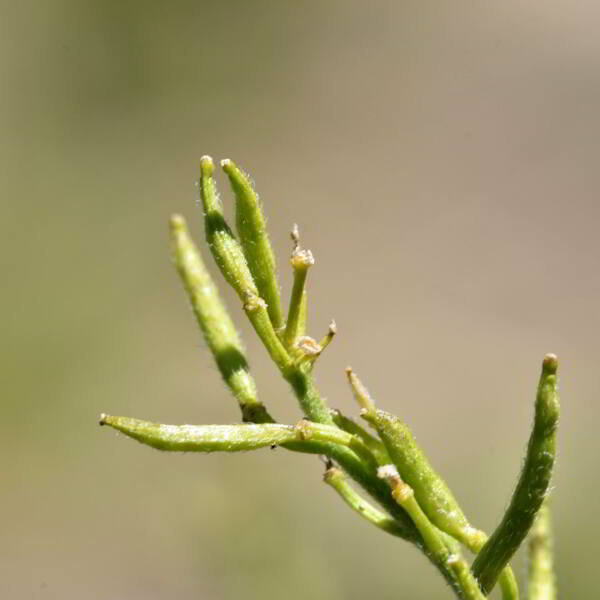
[441,160]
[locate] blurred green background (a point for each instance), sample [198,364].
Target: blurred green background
[441,159]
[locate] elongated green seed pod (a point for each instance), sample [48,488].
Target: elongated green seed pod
[301,261]
[312,437]
[252,231]
[216,324]
[431,491]
[532,486]
[542,581]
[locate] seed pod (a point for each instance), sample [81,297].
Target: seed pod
[431,491]
[251,228]
[532,486]
[231,261]
[225,248]
[306,436]
[216,324]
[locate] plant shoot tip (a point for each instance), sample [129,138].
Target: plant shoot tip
[388,472]
[206,165]
[177,221]
[550,363]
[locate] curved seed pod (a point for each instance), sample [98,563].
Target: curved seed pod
[431,491]
[231,261]
[251,228]
[532,486]
[216,324]
[306,436]
[542,581]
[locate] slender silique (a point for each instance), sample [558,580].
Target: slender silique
[215,323]
[532,486]
[310,437]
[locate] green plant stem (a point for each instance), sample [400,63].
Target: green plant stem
[542,580]
[468,583]
[532,486]
[251,228]
[337,480]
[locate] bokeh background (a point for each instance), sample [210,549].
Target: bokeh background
[441,159]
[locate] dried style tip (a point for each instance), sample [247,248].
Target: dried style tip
[389,473]
[295,235]
[302,259]
[308,346]
[361,394]
[550,364]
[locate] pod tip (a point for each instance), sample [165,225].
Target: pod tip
[177,222]
[206,165]
[550,364]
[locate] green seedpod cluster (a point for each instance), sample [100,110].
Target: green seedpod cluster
[532,486]
[431,491]
[226,250]
[252,231]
